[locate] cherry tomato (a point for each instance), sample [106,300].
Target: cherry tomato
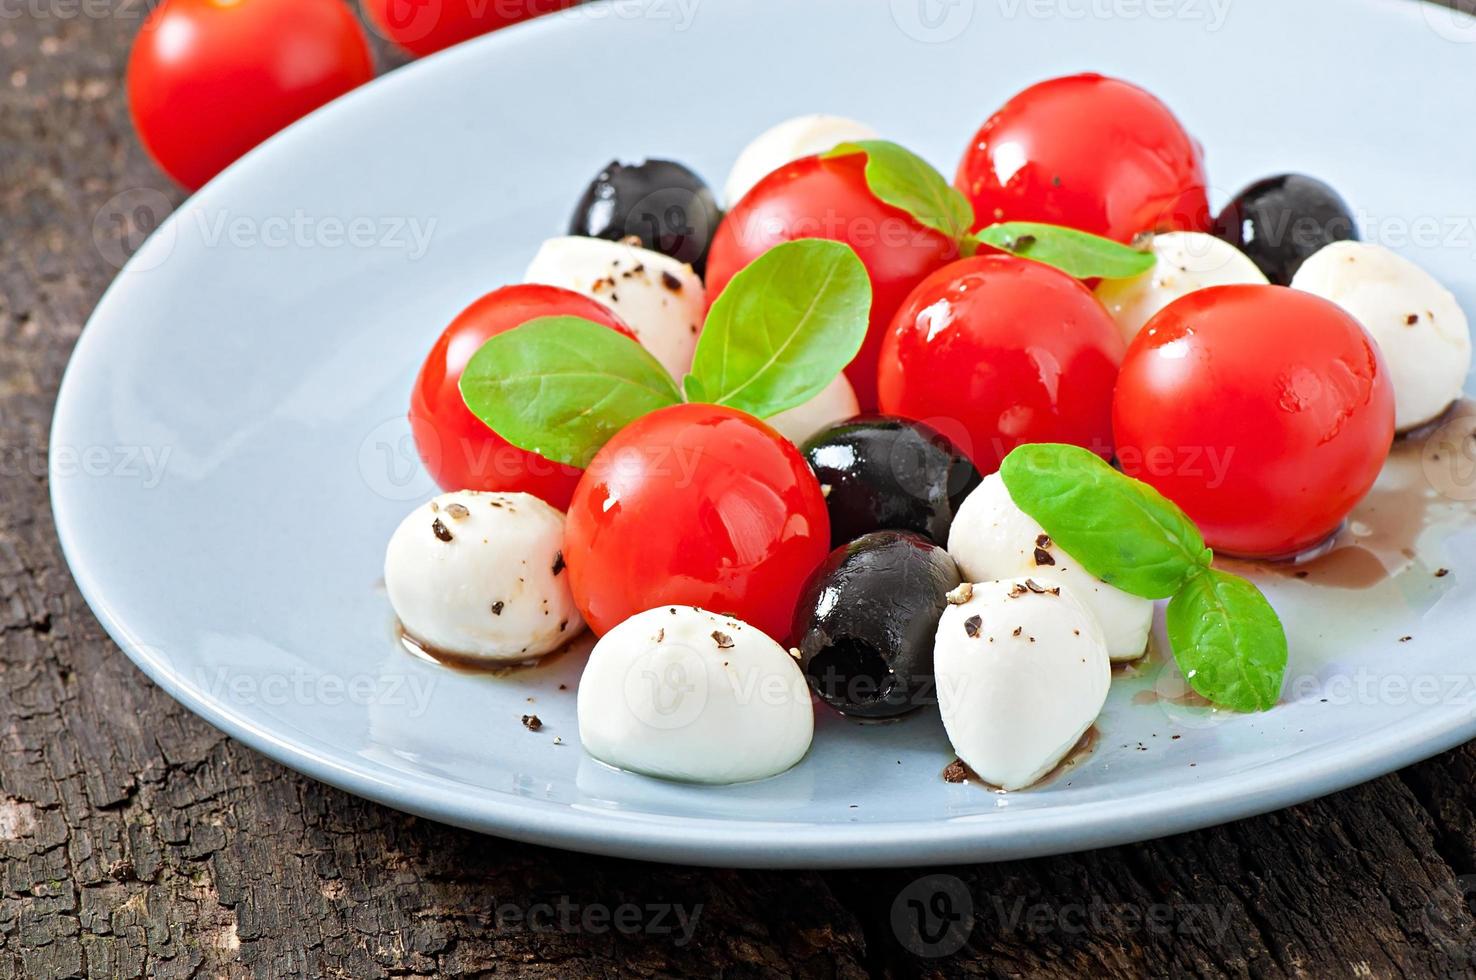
[816,198]
[695,505]
[458,449]
[1087,152]
[424,27]
[995,351]
[1264,412]
[210,79]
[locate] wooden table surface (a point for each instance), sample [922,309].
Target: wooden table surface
[136,840]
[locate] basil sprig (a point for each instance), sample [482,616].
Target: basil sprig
[900,178]
[1228,641]
[1121,530]
[1076,253]
[561,386]
[1226,638]
[784,328]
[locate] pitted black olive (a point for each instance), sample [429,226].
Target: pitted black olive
[866,620]
[1280,221]
[886,473]
[664,204]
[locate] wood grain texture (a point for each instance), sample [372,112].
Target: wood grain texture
[137,841]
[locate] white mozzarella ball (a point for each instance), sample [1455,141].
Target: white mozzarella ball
[482,575]
[681,693]
[1022,673]
[835,404]
[1186,261]
[660,299]
[991,538]
[790,140]
[1419,326]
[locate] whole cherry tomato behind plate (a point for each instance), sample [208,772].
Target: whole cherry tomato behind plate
[210,79]
[1264,412]
[458,449]
[1088,152]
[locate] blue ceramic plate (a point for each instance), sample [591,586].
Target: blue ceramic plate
[229,453]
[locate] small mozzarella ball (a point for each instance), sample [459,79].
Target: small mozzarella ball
[1187,261]
[792,139]
[660,299]
[482,575]
[1419,326]
[1022,674]
[834,404]
[681,693]
[991,538]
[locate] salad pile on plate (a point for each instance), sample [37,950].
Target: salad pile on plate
[871,441]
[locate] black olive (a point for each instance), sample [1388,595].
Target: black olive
[889,473]
[866,620]
[1280,221]
[664,204]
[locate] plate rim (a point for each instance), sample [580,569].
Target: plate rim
[714,841]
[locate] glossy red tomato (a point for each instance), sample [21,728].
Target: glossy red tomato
[996,351]
[458,449]
[815,198]
[695,505]
[1088,152]
[425,26]
[1264,412]
[210,79]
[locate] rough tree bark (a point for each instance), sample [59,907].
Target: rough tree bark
[137,841]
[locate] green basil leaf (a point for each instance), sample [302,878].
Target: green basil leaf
[1121,530]
[561,386]
[901,178]
[1076,253]
[783,328]
[1227,640]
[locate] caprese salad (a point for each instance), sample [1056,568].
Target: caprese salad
[867,440]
